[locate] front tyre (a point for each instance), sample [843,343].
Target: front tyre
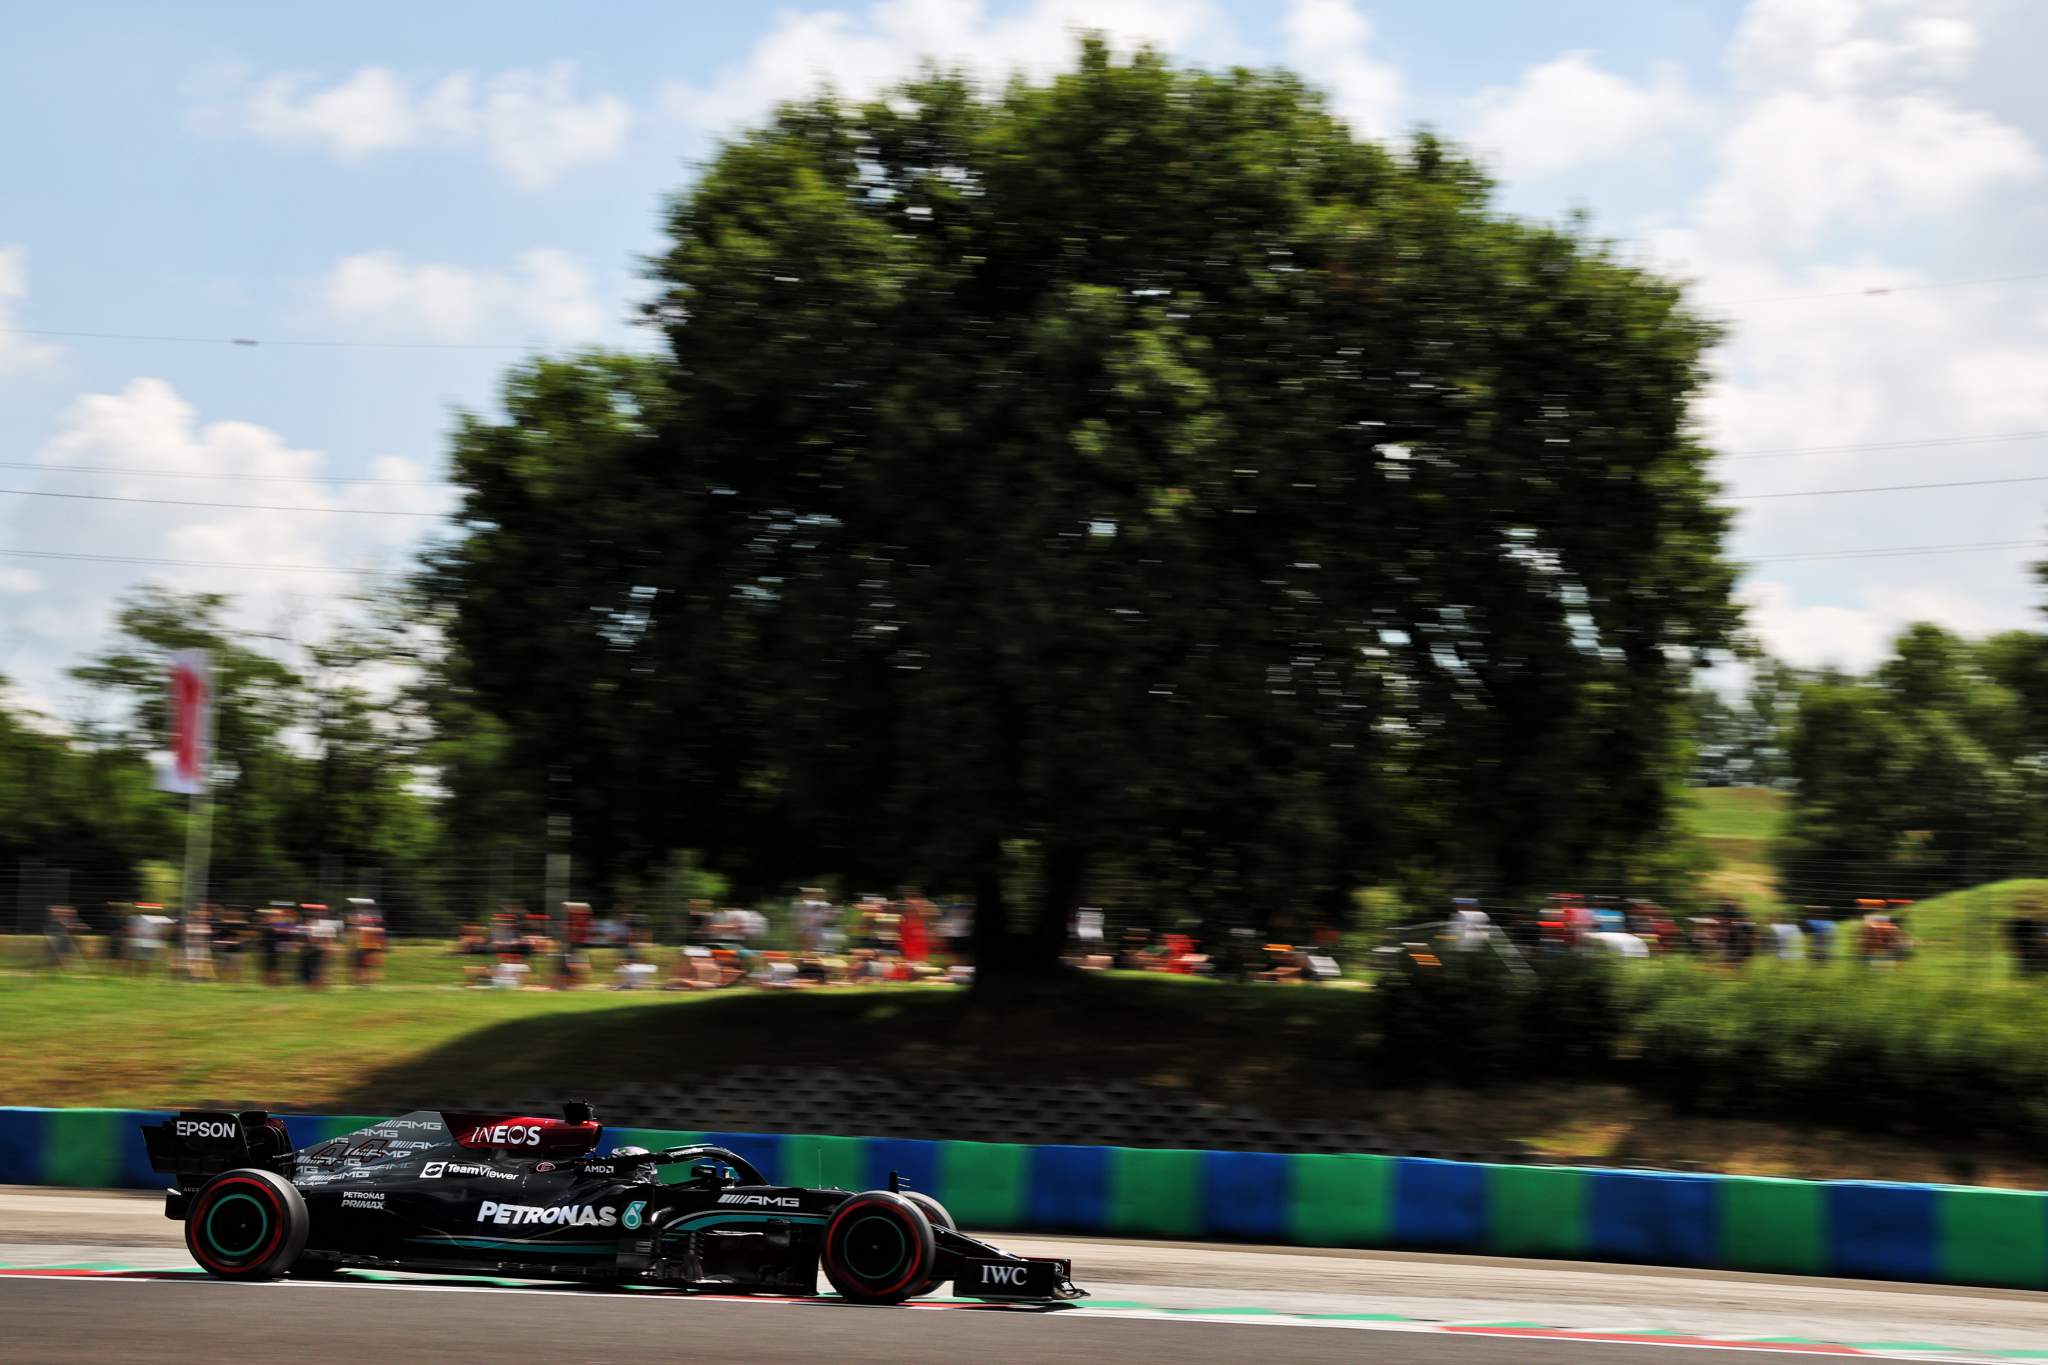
[935,1214]
[878,1247]
[246,1225]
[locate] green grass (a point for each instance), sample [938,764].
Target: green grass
[1966,929]
[93,1038]
[1737,827]
[1735,812]
[1934,1068]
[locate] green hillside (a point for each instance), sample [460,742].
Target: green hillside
[1735,812]
[1968,927]
[1737,825]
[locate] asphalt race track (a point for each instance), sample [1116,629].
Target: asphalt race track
[105,1278]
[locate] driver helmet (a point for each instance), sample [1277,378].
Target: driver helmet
[639,1170]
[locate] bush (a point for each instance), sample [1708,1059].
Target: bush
[1470,1020]
[1927,1050]
[1920,1051]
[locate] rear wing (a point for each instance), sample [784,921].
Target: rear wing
[199,1143]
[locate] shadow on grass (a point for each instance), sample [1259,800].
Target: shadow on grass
[1218,1041]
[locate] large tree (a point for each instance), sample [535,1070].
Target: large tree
[1135,471]
[1927,776]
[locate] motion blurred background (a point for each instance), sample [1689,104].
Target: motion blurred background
[1470,582]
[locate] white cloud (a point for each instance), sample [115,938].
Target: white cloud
[1858,116]
[1860,156]
[532,124]
[1853,44]
[1857,638]
[19,581]
[1816,636]
[536,128]
[860,54]
[381,294]
[1329,42]
[1568,111]
[56,620]
[18,352]
[1800,162]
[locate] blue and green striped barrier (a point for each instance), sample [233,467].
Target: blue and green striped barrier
[1869,1229]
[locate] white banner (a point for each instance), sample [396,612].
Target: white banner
[191,683]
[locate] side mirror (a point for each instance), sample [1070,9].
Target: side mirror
[710,1172]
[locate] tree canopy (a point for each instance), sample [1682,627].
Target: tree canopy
[1926,776]
[1133,475]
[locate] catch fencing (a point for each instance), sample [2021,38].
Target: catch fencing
[1864,1229]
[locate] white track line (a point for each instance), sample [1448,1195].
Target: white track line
[1081,1314]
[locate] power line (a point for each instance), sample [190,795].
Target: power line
[234,506]
[1875,488]
[1879,290]
[193,563]
[208,474]
[1899,551]
[1918,443]
[253,342]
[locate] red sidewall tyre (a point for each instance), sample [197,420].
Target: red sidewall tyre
[935,1213]
[878,1247]
[246,1225]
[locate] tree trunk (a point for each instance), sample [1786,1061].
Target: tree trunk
[1005,956]
[1065,868]
[991,914]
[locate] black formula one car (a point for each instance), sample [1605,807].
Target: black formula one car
[493,1194]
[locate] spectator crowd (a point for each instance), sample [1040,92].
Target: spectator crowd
[309,943]
[909,938]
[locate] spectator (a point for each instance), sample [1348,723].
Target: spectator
[813,918]
[1470,927]
[1090,950]
[60,932]
[1820,933]
[317,940]
[913,927]
[230,936]
[579,929]
[280,927]
[366,941]
[1791,943]
[1740,930]
[146,929]
[1578,922]
[697,929]
[695,969]
[1619,942]
[752,926]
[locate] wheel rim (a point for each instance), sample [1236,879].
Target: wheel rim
[228,1222]
[876,1248]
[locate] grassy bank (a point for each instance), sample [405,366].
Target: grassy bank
[1737,826]
[1925,1071]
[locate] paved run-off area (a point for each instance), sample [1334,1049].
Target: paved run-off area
[131,1294]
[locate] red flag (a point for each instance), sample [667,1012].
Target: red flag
[191,721]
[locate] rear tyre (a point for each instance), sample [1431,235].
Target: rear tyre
[878,1247]
[246,1225]
[935,1214]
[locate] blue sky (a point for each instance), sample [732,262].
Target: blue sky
[486,176]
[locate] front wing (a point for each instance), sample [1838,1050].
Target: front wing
[981,1271]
